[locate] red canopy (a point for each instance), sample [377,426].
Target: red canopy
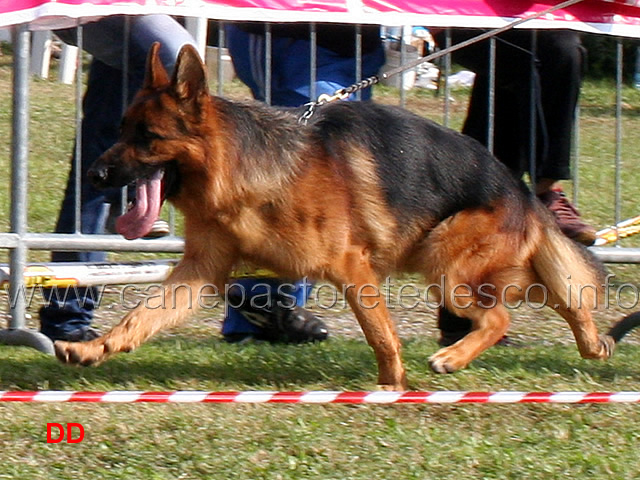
[616,17]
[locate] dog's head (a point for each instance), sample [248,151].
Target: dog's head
[160,129]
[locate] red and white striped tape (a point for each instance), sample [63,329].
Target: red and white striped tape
[319,397]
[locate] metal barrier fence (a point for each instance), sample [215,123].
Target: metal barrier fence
[19,241]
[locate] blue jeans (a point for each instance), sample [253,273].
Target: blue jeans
[290,87]
[265,291]
[102,110]
[291,68]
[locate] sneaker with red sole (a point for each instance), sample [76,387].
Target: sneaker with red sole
[567,217]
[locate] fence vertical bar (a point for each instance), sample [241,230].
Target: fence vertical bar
[403,61]
[492,94]
[124,191]
[268,42]
[17,334]
[618,154]
[313,61]
[77,158]
[447,73]
[220,72]
[636,74]
[358,40]
[19,171]
[533,110]
[575,158]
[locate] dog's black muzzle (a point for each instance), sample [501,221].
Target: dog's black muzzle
[108,175]
[99,176]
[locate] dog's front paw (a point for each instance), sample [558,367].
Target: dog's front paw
[397,387]
[80,353]
[446,361]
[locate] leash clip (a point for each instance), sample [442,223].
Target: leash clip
[326,98]
[308,113]
[322,99]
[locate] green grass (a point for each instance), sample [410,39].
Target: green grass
[327,442]
[333,441]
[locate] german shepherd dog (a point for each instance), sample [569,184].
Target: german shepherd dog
[361,191]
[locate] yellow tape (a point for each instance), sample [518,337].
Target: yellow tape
[248,271]
[35,275]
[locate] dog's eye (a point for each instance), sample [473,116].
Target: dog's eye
[144,133]
[153,136]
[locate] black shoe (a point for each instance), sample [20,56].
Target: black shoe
[83,334]
[279,324]
[298,325]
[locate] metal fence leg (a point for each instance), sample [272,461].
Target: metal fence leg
[68,64]
[41,56]
[17,333]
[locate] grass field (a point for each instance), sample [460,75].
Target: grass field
[333,442]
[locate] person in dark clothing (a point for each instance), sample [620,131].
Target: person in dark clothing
[538,75]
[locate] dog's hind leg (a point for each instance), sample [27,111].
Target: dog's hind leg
[488,326]
[178,297]
[590,343]
[360,285]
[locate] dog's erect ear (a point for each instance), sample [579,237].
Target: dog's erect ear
[189,76]
[156,75]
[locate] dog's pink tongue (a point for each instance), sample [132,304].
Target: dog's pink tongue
[137,222]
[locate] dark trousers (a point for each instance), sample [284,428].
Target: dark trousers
[544,79]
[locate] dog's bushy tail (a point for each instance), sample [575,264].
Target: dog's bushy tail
[574,276]
[567,270]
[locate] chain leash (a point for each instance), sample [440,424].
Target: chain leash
[340,94]
[343,93]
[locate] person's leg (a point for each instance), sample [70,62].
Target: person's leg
[561,57]
[512,105]
[247,55]
[70,316]
[561,63]
[270,309]
[554,86]
[511,137]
